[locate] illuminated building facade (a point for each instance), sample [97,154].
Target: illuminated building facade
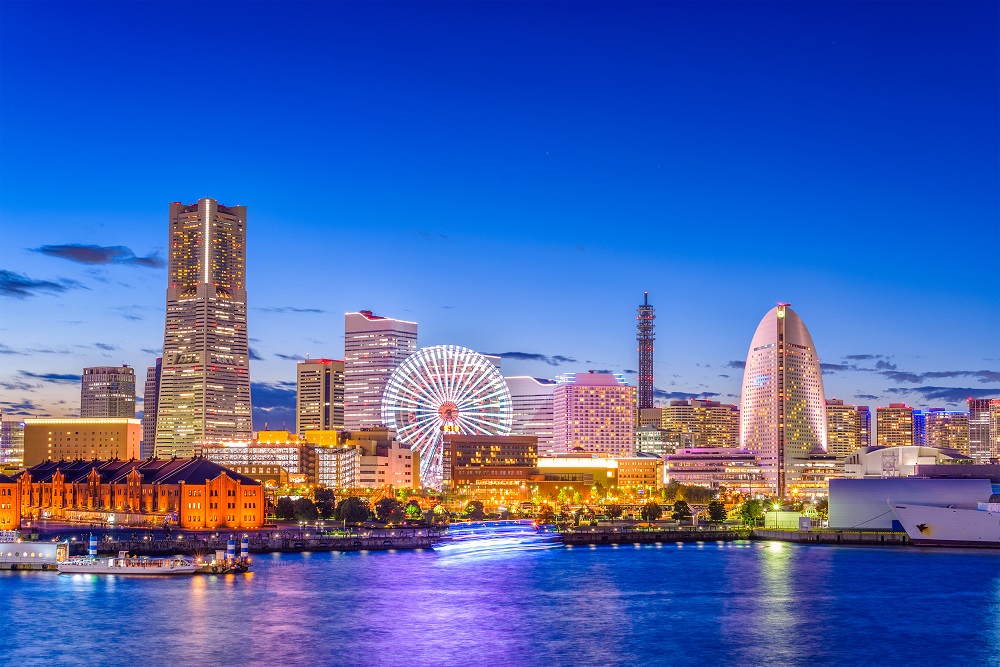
[383,460]
[319,399]
[703,423]
[500,463]
[189,493]
[782,405]
[532,408]
[47,439]
[150,398]
[894,425]
[731,468]
[659,441]
[594,412]
[205,377]
[865,414]
[980,447]
[10,503]
[579,472]
[947,429]
[994,435]
[843,428]
[374,346]
[11,443]
[107,391]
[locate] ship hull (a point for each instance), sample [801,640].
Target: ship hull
[134,568]
[948,526]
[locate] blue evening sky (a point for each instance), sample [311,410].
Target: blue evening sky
[512,176]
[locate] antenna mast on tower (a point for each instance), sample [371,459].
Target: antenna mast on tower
[645,314]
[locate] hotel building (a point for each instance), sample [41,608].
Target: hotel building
[980,447]
[702,423]
[594,412]
[47,439]
[843,428]
[894,426]
[947,429]
[107,391]
[205,378]
[500,463]
[716,467]
[782,405]
[374,346]
[532,408]
[319,399]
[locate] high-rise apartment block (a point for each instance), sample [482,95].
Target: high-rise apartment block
[782,406]
[374,347]
[319,399]
[150,399]
[89,438]
[994,436]
[11,442]
[532,408]
[980,446]
[894,425]
[843,428]
[947,429]
[701,423]
[594,412]
[865,415]
[205,377]
[108,391]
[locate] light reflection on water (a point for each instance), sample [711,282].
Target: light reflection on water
[511,597]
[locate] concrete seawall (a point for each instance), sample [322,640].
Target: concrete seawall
[629,535]
[834,537]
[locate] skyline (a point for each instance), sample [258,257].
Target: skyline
[516,202]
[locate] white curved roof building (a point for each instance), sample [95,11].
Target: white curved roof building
[782,406]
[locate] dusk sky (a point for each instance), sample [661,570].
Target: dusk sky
[512,176]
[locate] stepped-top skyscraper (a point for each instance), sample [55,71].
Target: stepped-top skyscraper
[782,406]
[205,376]
[645,334]
[374,346]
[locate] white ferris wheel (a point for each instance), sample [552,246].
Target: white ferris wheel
[444,389]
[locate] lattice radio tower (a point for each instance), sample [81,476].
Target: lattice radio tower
[645,314]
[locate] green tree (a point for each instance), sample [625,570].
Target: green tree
[577,498]
[386,508]
[412,510]
[597,491]
[681,510]
[613,511]
[651,511]
[716,511]
[285,508]
[305,510]
[353,510]
[671,491]
[751,511]
[563,495]
[823,508]
[475,511]
[544,514]
[697,494]
[326,504]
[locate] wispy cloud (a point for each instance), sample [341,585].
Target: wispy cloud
[106,346]
[953,395]
[554,360]
[737,364]
[9,350]
[151,351]
[96,254]
[681,395]
[867,397]
[289,309]
[289,357]
[57,378]
[20,286]
[254,356]
[273,404]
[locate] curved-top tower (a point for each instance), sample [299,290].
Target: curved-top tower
[782,405]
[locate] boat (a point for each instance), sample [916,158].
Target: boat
[124,564]
[951,526]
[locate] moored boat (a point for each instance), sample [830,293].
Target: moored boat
[129,565]
[951,526]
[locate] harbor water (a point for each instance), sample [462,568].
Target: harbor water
[511,597]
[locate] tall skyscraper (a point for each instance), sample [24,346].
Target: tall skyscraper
[894,425]
[205,376]
[947,429]
[150,399]
[108,391]
[594,412]
[865,414]
[645,335]
[319,399]
[782,406]
[979,430]
[374,347]
[531,400]
[843,428]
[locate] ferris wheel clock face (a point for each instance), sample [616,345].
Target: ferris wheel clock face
[444,389]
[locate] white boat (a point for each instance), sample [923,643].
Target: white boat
[129,565]
[951,526]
